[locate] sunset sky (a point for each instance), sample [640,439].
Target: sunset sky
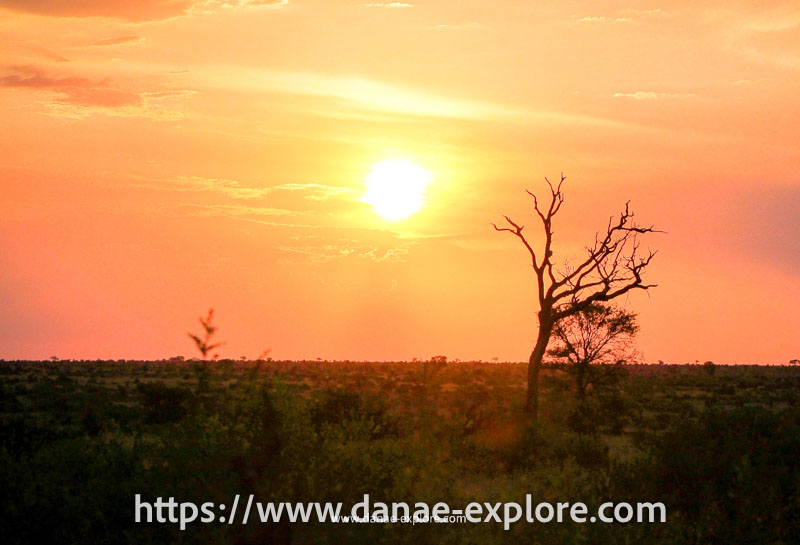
[161,157]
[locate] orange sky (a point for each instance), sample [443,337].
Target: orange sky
[162,157]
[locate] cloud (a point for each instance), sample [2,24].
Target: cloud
[236,190]
[229,188]
[643,12]
[784,60]
[389,5]
[135,11]
[651,95]
[79,97]
[602,19]
[47,54]
[459,26]
[70,89]
[141,10]
[392,254]
[265,3]
[170,94]
[317,192]
[68,107]
[356,94]
[102,97]
[624,16]
[759,33]
[229,210]
[212,6]
[26,76]
[119,40]
[262,215]
[325,253]
[775,20]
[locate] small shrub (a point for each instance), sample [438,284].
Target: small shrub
[162,403]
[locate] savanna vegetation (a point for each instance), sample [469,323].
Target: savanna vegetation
[718,445]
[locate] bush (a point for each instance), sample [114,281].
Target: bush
[339,406]
[162,403]
[733,475]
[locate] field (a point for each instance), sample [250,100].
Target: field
[718,445]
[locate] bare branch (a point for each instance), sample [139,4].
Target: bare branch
[612,266]
[517,231]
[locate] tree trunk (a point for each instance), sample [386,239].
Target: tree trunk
[581,370]
[535,364]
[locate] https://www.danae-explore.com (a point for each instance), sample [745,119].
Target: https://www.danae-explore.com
[243,510]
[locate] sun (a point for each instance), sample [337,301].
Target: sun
[396,188]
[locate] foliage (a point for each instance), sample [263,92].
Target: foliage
[162,403]
[732,475]
[614,265]
[78,440]
[593,344]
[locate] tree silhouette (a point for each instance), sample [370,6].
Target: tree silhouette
[612,266]
[600,333]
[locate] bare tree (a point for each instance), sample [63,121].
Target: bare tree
[612,266]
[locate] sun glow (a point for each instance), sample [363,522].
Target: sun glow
[396,188]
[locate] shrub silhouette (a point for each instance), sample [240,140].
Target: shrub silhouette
[204,340]
[163,403]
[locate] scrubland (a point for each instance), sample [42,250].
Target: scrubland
[718,445]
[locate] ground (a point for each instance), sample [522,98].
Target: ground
[98,432]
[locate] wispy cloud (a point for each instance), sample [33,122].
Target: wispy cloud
[774,20]
[318,192]
[459,26]
[264,3]
[47,54]
[79,97]
[118,40]
[141,10]
[782,60]
[67,91]
[199,184]
[28,76]
[651,95]
[212,6]
[229,210]
[637,13]
[389,5]
[138,11]
[623,16]
[173,93]
[360,94]
[601,19]
[766,35]
[325,253]
[236,190]
[71,106]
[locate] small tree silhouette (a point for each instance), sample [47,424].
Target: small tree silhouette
[600,333]
[203,343]
[594,343]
